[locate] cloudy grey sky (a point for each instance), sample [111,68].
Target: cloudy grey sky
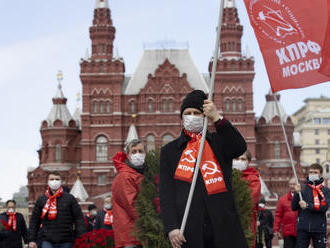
[39,37]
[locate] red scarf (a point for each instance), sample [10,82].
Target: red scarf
[12,222]
[108,217]
[209,167]
[51,204]
[316,193]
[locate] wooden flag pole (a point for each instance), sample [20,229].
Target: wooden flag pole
[201,147]
[287,143]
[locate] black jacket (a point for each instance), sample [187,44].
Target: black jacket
[309,219]
[265,229]
[227,143]
[13,239]
[99,223]
[61,230]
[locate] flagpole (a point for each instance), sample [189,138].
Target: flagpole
[286,142]
[201,147]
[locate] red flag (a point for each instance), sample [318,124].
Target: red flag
[291,35]
[325,68]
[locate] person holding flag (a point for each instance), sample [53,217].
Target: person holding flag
[213,221]
[15,227]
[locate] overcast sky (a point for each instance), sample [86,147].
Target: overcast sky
[39,37]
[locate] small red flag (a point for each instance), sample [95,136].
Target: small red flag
[291,35]
[325,68]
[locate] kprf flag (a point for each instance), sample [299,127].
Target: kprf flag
[291,35]
[325,68]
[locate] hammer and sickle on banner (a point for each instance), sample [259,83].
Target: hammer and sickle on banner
[211,170]
[188,153]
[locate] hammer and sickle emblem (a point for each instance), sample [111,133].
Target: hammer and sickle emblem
[211,170]
[188,153]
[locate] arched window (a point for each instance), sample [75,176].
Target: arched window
[150,106]
[240,105]
[277,150]
[164,105]
[167,138]
[95,107]
[58,153]
[101,68]
[101,107]
[107,107]
[132,105]
[101,148]
[170,106]
[227,105]
[150,142]
[234,105]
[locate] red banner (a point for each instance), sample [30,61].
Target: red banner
[291,34]
[325,68]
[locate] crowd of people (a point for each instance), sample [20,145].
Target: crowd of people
[213,220]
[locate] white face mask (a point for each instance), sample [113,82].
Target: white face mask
[313,177]
[107,206]
[11,210]
[94,213]
[137,159]
[54,184]
[193,123]
[261,205]
[239,164]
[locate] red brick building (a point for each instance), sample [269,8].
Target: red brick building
[147,105]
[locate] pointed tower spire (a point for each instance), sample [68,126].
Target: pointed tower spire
[132,134]
[101,4]
[229,4]
[78,190]
[102,33]
[59,110]
[231,31]
[87,54]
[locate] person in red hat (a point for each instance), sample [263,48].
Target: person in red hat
[251,175]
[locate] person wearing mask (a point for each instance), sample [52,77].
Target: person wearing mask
[104,218]
[90,217]
[16,227]
[59,214]
[312,221]
[213,220]
[251,175]
[265,223]
[125,187]
[285,218]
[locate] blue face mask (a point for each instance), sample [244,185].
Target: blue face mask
[313,177]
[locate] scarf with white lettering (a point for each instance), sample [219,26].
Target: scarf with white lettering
[12,222]
[108,217]
[209,167]
[51,204]
[316,193]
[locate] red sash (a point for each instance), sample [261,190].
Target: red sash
[51,204]
[108,218]
[12,222]
[209,167]
[316,193]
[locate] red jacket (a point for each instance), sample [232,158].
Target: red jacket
[124,189]
[252,176]
[285,216]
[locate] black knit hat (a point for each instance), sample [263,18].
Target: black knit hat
[194,99]
[91,207]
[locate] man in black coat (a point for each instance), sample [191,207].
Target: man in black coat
[213,221]
[15,227]
[104,218]
[59,214]
[312,220]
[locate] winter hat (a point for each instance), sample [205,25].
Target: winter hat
[262,200]
[91,207]
[194,99]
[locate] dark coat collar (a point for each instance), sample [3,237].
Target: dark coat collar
[183,138]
